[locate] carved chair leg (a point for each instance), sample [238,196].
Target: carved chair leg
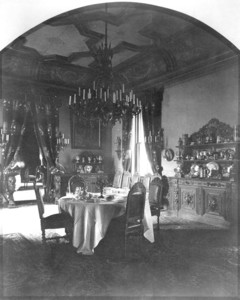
[43,237]
[43,233]
[69,234]
[10,199]
[125,246]
[158,222]
[140,243]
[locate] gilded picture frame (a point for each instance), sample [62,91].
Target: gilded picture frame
[85,135]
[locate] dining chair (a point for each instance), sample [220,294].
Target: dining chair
[76,181]
[28,178]
[126,180]
[135,178]
[135,212]
[117,180]
[130,224]
[146,181]
[155,198]
[54,221]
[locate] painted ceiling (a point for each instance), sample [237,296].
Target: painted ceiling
[151,46]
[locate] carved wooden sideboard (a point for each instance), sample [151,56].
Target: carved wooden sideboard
[207,201]
[205,186]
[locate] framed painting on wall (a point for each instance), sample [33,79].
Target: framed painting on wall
[85,135]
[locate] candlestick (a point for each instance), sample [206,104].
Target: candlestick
[89,94]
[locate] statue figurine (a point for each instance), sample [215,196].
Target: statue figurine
[10,189]
[9,179]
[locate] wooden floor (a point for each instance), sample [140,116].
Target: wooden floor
[187,260]
[24,219]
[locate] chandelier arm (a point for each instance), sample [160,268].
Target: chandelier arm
[106,44]
[103,101]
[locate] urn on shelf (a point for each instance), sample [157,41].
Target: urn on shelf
[236,133]
[185,139]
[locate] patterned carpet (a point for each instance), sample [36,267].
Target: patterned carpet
[193,261]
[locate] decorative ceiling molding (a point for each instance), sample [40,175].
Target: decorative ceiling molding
[150,45]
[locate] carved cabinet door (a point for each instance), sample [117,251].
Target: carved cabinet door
[173,195]
[215,202]
[191,200]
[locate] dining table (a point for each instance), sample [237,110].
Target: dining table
[92,216]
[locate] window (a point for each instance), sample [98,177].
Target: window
[139,159]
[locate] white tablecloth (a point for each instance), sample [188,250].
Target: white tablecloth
[92,218]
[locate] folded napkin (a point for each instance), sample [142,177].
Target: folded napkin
[119,198]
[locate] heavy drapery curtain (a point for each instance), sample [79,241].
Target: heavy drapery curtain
[153,131]
[14,124]
[45,116]
[46,121]
[126,144]
[147,113]
[143,136]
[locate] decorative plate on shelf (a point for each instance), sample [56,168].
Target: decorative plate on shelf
[230,153]
[213,166]
[194,170]
[168,154]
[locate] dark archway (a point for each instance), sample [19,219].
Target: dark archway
[30,149]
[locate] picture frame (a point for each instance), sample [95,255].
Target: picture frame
[85,134]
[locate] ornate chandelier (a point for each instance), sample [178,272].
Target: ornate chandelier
[107,99]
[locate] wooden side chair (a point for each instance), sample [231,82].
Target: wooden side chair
[76,181]
[135,213]
[117,180]
[130,224]
[126,180]
[146,181]
[135,178]
[54,221]
[155,198]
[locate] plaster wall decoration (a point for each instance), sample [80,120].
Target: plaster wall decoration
[150,67]
[195,49]
[19,65]
[62,74]
[56,37]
